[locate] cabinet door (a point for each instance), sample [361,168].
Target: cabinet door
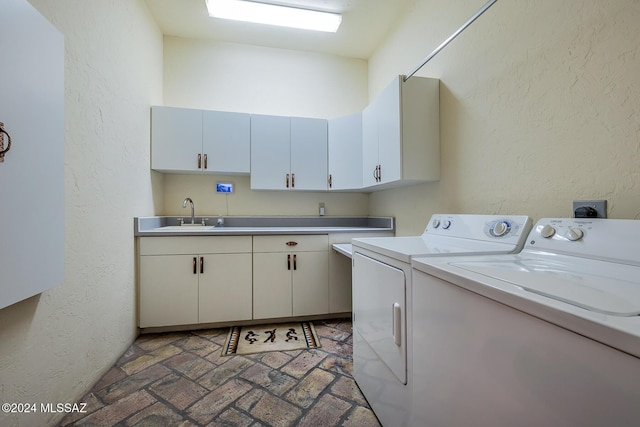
[176,139]
[271,285]
[345,152]
[168,290]
[225,288]
[310,283]
[32,201]
[270,152]
[226,141]
[389,143]
[308,153]
[369,144]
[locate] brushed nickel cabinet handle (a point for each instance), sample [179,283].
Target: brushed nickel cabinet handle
[205,161]
[293,180]
[287,180]
[379,173]
[199,161]
[330,181]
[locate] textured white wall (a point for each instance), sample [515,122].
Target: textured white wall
[252,79]
[539,106]
[53,347]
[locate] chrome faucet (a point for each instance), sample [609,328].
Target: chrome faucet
[184,205]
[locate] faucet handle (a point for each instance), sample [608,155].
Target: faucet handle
[204,221]
[181,220]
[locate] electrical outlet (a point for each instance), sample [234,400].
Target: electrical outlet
[581,208]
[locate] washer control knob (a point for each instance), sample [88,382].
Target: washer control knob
[574,234]
[435,223]
[501,228]
[547,231]
[446,224]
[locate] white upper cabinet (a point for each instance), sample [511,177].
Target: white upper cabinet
[176,139]
[288,153]
[270,152]
[345,152]
[226,141]
[187,141]
[401,134]
[32,249]
[308,154]
[395,141]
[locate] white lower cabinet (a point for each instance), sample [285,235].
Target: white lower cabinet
[290,275]
[168,291]
[190,280]
[225,288]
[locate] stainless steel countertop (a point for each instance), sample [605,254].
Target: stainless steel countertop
[238,226]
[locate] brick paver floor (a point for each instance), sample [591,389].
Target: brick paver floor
[180,379]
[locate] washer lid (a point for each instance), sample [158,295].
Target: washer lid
[405,248]
[601,287]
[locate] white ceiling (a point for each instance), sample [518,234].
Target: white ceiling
[365,23]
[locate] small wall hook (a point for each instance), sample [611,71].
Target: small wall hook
[3,150]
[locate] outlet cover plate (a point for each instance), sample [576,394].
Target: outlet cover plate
[599,205]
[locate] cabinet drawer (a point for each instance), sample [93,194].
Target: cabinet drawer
[303,243]
[194,245]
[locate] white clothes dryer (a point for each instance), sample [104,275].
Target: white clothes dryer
[549,336]
[382,298]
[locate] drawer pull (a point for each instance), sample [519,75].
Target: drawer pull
[291,243]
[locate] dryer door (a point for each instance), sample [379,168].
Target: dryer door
[379,293]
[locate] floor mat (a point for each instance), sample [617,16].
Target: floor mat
[272,337]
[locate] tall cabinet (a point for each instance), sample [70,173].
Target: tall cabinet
[32,170]
[401,134]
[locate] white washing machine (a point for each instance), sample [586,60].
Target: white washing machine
[546,337]
[382,299]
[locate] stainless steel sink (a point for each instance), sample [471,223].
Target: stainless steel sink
[185,227]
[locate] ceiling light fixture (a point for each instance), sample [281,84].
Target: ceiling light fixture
[271,14]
